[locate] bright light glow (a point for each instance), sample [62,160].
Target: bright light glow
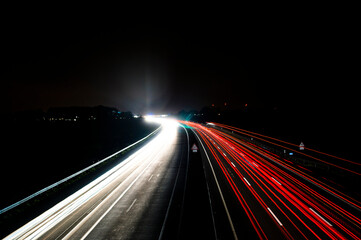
[156,118]
[161,119]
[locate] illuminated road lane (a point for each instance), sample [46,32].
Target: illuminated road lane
[224,181]
[275,202]
[248,193]
[130,201]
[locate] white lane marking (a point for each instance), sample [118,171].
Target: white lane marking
[224,154]
[276,181]
[279,222]
[255,164]
[150,178]
[130,207]
[247,181]
[219,189]
[233,164]
[321,217]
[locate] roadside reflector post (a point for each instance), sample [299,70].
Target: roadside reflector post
[302,146]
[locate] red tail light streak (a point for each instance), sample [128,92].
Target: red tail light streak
[300,205]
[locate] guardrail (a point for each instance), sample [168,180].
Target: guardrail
[74,175]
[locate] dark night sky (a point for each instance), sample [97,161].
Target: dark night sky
[300,58]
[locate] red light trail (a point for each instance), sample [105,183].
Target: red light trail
[266,184]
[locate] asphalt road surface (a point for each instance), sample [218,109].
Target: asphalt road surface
[131,201]
[266,197]
[224,189]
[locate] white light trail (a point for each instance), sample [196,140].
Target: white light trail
[141,159]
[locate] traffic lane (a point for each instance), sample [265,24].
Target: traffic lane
[268,197]
[305,201]
[242,204]
[316,220]
[148,196]
[67,214]
[140,214]
[311,184]
[16,221]
[260,190]
[305,213]
[253,195]
[94,205]
[232,179]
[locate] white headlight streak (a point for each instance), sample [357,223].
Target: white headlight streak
[125,173]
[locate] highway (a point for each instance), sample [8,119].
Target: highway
[227,188]
[131,201]
[268,198]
